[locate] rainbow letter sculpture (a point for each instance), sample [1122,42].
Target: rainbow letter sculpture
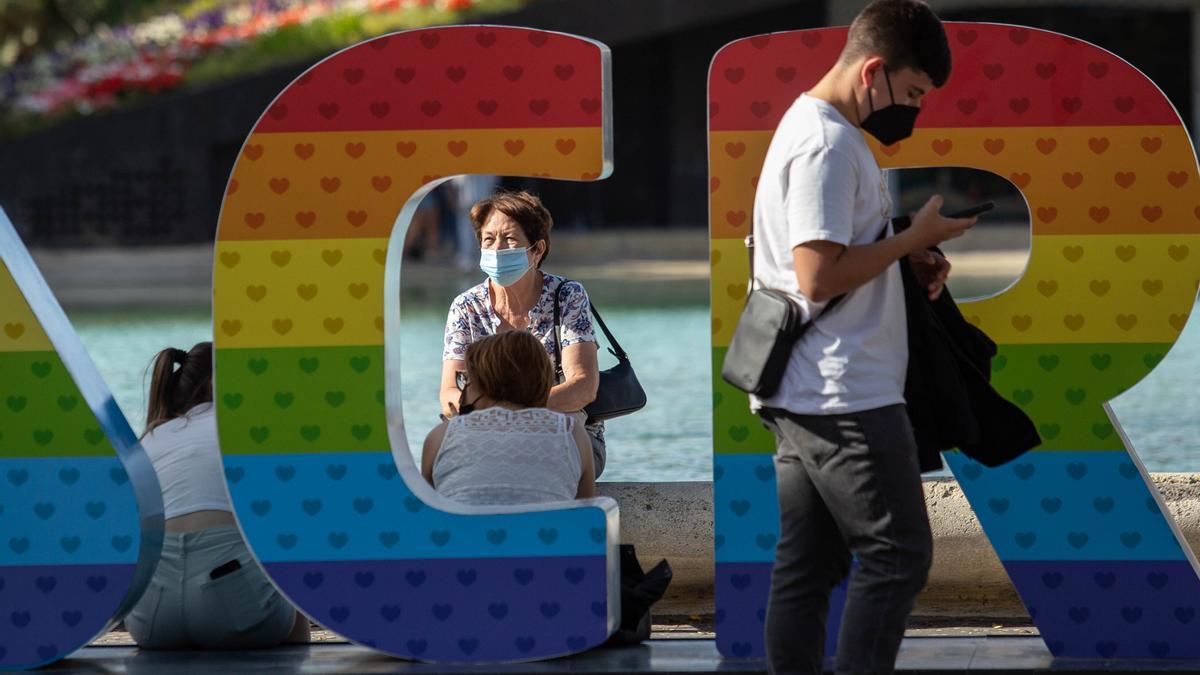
[306,289]
[306,318]
[81,515]
[1111,180]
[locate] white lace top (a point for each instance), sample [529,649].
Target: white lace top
[501,456]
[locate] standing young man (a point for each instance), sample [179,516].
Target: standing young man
[846,463]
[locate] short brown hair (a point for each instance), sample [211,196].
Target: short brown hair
[906,33]
[512,366]
[524,208]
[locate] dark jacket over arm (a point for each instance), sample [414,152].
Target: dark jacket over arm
[951,402]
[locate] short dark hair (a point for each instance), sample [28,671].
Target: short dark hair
[524,208]
[906,33]
[512,366]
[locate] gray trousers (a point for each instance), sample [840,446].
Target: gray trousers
[184,608]
[848,485]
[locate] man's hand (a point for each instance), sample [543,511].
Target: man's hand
[931,270]
[930,228]
[826,269]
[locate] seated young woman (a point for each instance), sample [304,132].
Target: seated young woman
[503,446]
[207,591]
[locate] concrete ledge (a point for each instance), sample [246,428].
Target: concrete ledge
[675,521]
[672,521]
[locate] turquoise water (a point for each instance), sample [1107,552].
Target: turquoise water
[669,440]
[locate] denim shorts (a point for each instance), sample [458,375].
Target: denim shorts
[184,608]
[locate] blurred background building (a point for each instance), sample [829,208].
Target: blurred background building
[120,119]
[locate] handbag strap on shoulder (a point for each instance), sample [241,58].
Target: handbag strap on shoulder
[557,343]
[749,241]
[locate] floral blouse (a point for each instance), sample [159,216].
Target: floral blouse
[471,317]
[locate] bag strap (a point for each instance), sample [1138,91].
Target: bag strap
[749,241]
[557,343]
[615,347]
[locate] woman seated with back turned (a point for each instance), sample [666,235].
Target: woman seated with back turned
[207,591]
[504,446]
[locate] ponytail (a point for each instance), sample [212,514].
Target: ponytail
[180,381]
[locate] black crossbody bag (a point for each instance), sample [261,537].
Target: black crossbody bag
[770,325]
[619,392]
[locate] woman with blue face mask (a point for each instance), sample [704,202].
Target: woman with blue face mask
[513,229]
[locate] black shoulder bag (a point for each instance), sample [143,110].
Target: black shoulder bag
[770,325]
[639,590]
[619,392]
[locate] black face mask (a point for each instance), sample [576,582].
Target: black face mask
[892,123]
[465,408]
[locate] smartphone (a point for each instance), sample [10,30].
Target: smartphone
[901,223]
[228,568]
[973,211]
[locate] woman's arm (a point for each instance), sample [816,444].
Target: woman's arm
[448,393]
[587,480]
[457,338]
[581,378]
[429,451]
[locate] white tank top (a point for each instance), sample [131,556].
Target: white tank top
[187,460]
[501,456]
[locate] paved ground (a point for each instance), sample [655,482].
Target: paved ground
[700,627]
[992,655]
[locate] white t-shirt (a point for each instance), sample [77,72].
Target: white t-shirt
[820,182]
[187,460]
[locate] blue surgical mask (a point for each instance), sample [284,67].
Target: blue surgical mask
[504,266]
